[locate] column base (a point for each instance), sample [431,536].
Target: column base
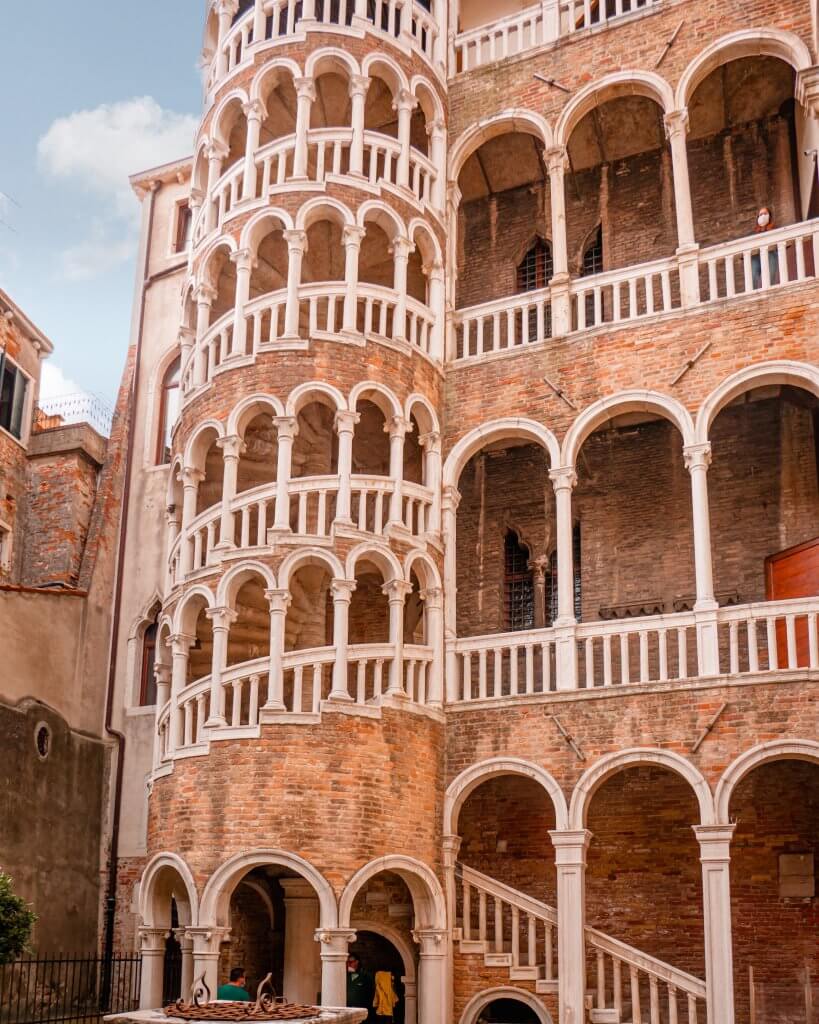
[340,697]
[216,722]
[275,706]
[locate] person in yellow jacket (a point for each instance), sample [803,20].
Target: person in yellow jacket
[385,999]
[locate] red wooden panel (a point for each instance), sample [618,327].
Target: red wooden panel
[790,574]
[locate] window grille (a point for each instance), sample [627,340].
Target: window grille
[519,590]
[536,268]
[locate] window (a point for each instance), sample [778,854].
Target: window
[184,228]
[551,583]
[13,391]
[519,595]
[168,410]
[593,256]
[147,680]
[537,268]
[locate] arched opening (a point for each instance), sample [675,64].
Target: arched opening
[249,637]
[369,608]
[371,441]
[508,1011]
[169,399]
[379,107]
[324,258]
[375,265]
[614,466]
[331,107]
[279,97]
[209,492]
[763,487]
[315,449]
[773,890]
[200,627]
[231,130]
[379,958]
[413,453]
[258,461]
[220,274]
[150,656]
[268,276]
[742,148]
[165,902]
[309,626]
[644,879]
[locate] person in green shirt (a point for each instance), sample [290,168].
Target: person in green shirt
[235,989]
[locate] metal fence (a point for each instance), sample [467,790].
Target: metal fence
[80,408]
[48,990]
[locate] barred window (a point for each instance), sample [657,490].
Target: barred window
[519,597]
[536,268]
[168,410]
[551,583]
[593,256]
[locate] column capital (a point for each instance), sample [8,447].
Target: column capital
[334,942]
[676,123]
[227,7]
[190,477]
[359,84]
[152,940]
[180,644]
[254,110]
[182,937]
[305,87]
[396,591]
[538,566]
[715,843]
[232,446]
[453,194]
[342,590]
[186,335]
[432,942]
[352,235]
[345,421]
[204,294]
[432,596]
[404,101]
[571,846]
[431,440]
[197,196]
[451,846]
[564,478]
[401,247]
[286,426]
[397,426]
[697,456]
[221,617]
[807,90]
[243,259]
[279,600]
[296,241]
[434,270]
[216,150]
[162,674]
[451,498]
[556,160]
[206,941]
[437,125]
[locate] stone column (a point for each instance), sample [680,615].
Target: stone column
[216,153]
[676,130]
[432,994]
[279,601]
[351,237]
[436,131]
[190,479]
[180,644]
[431,444]
[397,427]
[451,500]
[556,160]
[152,947]
[259,22]
[244,261]
[197,199]
[162,674]
[396,592]
[564,481]
[226,10]
[206,943]
[222,619]
[342,596]
[287,428]
[187,340]
[305,95]
[205,296]
[570,858]
[436,303]
[255,114]
[335,943]
[345,424]
[697,461]
[173,522]
[186,944]
[715,857]
[359,84]
[404,105]
[302,960]
[537,567]
[296,248]
[433,598]
[232,448]
[400,250]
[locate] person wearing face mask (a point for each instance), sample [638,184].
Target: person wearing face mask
[764,223]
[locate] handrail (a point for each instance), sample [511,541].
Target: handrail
[528,904]
[246,668]
[518,639]
[309,656]
[502,304]
[740,245]
[647,963]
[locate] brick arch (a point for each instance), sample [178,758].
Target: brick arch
[425,889]
[764,753]
[468,781]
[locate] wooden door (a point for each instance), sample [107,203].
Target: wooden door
[790,574]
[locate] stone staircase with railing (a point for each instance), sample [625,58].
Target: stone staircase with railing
[514,931]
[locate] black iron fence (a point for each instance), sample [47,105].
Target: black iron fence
[48,990]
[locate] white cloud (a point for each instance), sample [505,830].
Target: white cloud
[54,383]
[102,251]
[100,148]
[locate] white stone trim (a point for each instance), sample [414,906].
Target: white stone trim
[476,1004]
[764,753]
[423,884]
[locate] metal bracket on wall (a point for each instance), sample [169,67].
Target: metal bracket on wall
[669,44]
[691,363]
[701,739]
[569,739]
[552,82]
[560,393]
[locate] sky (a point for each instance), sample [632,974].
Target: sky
[90,92]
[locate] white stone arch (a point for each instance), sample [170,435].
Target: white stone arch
[235,578]
[173,492]
[309,556]
[242,413]
[314,391]
[764,753]
[386,931]
[512,427]
[381,65]
[609,765]
[427,95]
[425,889]
[429,576]
[237,95]
[428,421]
[426,240]
[617,405]
[621,83]
[272,69]
[329,59]
[378,394]
[199,172]
[181,615]
[503,123]
[215,906]
[380,555]
[255,231]
[154,398]
[784,371]
[324,208]
[751,42]
[384,216]
[478,1003]
[140,624]
[461,788]
[153,878]
[203,271]
[195,452]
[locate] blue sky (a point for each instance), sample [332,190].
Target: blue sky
[89,92]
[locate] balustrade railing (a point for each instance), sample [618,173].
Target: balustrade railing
[769,636]
[654,648]
[626,294]
[505,665]
[266,320]
[417,669]
[503,324]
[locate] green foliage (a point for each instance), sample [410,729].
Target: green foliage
[16,921]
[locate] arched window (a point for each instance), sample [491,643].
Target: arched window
[147,680]
[519,591]
[536,268]
[168,410]
[551,583]
[593,254]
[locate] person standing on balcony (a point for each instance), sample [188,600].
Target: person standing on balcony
[764,222]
